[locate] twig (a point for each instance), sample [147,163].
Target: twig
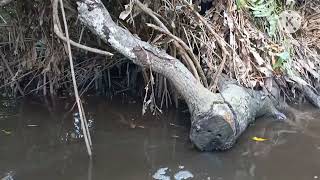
[16,79]
[85,130]
[56,21]
[221,42]
[193,63]
[188,49]
[11,73]
[213,86]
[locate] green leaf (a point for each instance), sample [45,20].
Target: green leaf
[282,59]
[262,8]
[273,24]
[284,56]
[278,64]
[241,3]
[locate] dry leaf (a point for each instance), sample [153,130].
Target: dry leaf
[258,139]
[124,14]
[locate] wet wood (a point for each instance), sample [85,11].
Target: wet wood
[218,119]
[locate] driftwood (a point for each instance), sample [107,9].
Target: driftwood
[217,118]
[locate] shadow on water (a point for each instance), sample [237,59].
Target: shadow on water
[39,140]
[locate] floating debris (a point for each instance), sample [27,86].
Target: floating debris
[259,139]
[33,125]
[6,132]
[183,175]
[160,174]
[171,124]
[175,136]
[9,176]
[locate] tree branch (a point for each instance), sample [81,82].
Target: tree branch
[57,27]
[217,120]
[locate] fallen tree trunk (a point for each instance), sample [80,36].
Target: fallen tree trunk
[217,119]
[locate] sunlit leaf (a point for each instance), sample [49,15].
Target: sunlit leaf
[284,55]
[259,139]
[241,3]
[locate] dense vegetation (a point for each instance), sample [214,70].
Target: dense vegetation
[248,44]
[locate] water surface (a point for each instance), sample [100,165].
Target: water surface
[38,142]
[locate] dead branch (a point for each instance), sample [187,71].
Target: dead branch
[57,27]
[164,29]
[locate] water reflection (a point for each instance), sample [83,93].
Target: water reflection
[161,174]
[75,132]
[8,176]
[166,174]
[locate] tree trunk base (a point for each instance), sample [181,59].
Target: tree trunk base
[217,120]
[218,128]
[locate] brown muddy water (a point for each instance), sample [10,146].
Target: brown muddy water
[39,141]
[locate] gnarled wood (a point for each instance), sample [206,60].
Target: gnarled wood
[217,119]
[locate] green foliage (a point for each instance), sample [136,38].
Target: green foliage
[241,4]
[281,60]
[265,9]
[262,8]
[273,23]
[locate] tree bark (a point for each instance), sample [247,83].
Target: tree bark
[217,119]
[311,95]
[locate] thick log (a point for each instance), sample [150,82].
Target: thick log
[217,119]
